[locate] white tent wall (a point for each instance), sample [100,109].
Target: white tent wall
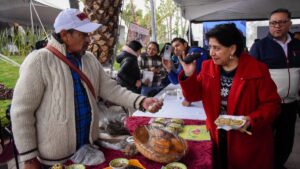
[59,4]
[215,10]
[19,11]
[198,11]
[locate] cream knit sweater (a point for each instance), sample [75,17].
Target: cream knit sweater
[43,113]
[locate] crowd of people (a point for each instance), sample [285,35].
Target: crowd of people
[54,113]
[262,85]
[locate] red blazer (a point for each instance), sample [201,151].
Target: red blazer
[253,93]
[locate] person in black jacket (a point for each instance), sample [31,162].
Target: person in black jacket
[129,75]
[281,53]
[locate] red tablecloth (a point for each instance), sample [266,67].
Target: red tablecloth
[7,153]
[199,155]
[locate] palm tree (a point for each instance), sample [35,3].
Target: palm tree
[105,12]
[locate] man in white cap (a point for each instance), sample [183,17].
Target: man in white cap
[54,109]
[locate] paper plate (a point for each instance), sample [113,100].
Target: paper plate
[228,122]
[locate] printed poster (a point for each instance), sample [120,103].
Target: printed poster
[136,32]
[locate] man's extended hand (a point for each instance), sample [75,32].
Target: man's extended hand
[152,104]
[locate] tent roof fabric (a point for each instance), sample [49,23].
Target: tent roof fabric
[216,10]
[19,11]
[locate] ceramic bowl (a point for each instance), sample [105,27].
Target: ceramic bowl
[76,166]
[119,163]
[176,165]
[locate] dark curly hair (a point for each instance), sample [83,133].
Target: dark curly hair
[227,35]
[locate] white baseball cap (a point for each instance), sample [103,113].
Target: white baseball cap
[74,19]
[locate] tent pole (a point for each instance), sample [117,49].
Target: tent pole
[190,33]
[31,17]
[40,21]
[153,20]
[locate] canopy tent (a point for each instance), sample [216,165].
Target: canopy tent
[19,11]
[216,10]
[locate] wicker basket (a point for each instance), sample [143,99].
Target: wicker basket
[159,145]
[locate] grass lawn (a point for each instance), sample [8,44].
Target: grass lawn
[8,76]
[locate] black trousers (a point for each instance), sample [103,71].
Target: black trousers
[220,152]
[284,132]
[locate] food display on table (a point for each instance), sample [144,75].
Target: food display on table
[160,120]
[57,166]
[171,125]
[159,125]
[73,166]
[178,121]
[177,127]
[171,130]
[159,145]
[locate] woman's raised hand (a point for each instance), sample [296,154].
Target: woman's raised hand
[187,68]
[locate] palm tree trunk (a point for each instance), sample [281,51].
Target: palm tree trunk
[133,11]
[105,12]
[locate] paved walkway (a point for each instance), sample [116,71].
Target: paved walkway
[294,159]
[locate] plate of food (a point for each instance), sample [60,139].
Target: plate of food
[229,122]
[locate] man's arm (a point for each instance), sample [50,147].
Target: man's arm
[27,97]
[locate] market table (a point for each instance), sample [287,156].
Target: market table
[173,108]
[199,154]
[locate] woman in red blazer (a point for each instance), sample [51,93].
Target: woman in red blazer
[234,83]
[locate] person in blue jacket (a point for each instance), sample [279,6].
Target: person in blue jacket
[280,51]
[182,49]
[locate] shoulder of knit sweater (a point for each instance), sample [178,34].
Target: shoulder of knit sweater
[92,58]
[33,58]
[90,55]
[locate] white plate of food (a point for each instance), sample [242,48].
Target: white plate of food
[228,122]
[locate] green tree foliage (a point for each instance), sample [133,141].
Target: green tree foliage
[127,16]
[167,16]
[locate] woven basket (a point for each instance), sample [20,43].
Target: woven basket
[149,139]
